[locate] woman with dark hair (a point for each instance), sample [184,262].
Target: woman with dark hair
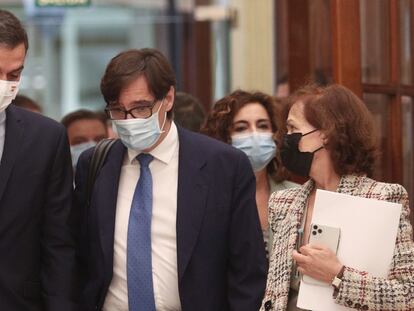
[328,135]
[248,122]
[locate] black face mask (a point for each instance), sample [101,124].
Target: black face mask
[296,161]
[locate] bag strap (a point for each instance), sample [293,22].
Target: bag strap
[98,158]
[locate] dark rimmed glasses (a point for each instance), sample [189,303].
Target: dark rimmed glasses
[143,110]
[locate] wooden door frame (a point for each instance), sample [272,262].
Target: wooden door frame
[346,44]
[197,72]
[299,66]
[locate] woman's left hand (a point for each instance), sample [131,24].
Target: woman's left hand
[318,262]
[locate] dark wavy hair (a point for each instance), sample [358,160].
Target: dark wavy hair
[127,66]
[346,122]
[219,123]
[12,32]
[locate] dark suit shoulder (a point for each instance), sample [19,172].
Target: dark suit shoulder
[36,123]
[36,119]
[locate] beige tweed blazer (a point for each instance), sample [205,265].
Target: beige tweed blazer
[358,290]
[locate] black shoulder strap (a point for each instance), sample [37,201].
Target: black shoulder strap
[98,158]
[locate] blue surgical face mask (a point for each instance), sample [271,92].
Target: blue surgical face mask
[76,150]
[260,148]
[139,134]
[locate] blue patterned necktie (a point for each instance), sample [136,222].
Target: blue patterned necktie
[139,259]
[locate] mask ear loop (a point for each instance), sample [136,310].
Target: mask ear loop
[165,117]
[321,147]
[313,131]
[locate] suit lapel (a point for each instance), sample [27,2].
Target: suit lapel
[13,141]
[191,198]
[105,198]
[286,237]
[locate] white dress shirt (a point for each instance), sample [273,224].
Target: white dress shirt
[2,131]
[164,170]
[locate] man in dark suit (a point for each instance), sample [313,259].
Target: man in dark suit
[172,223]
[37,261]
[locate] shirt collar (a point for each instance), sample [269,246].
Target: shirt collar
[2,117]
[164,151]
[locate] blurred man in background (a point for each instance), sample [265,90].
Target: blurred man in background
[85,129]
[188,112]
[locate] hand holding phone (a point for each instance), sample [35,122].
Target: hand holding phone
[326,236]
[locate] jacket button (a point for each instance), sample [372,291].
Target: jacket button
[268,305]
[349,303]
[364,307]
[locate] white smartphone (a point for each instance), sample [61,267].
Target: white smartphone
[326,236]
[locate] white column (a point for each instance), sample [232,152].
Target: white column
[70,66]
[252,46]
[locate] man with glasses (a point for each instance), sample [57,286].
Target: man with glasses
[172,223]
[37,261]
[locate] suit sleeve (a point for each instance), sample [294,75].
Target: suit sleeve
[360,290]
[247,258]
[58,270]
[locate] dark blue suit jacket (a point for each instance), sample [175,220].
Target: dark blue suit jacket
[220,251]
[37,253]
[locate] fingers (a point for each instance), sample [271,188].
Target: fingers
[307,250]
[319,250]
[298,257]
[317,246]
[315,249]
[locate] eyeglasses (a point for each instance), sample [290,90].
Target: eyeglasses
[142,110]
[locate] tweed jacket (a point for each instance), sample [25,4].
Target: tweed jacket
[358,289]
